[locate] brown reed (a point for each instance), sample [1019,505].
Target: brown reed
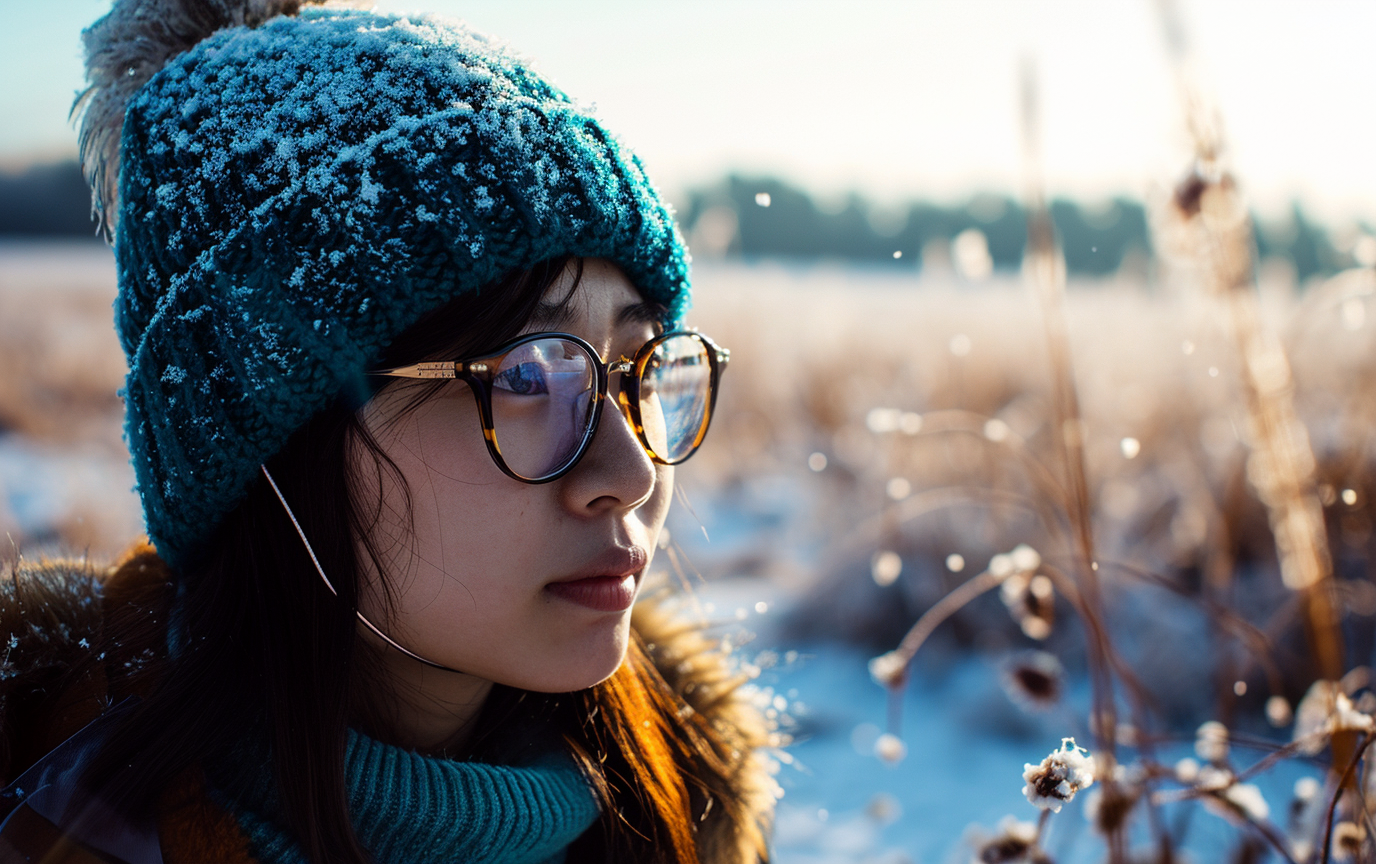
[1207,220]
[1209,214]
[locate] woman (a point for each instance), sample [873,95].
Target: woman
[404,398]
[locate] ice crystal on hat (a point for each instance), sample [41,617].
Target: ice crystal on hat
[1053,783]
[124,50]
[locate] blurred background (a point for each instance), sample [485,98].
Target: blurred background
[855,184]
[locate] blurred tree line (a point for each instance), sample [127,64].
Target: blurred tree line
[50,200]
[758,217]
[762,217]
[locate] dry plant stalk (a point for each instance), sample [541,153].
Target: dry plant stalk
[1209,219]
[1045,267]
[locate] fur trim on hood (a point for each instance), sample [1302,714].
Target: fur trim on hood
[58,668]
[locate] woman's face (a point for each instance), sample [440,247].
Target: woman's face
[518,584]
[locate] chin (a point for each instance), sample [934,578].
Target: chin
[578,667]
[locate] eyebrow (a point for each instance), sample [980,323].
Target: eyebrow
[551,316]
[641,313]
[557,316]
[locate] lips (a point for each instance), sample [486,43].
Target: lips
[607,583]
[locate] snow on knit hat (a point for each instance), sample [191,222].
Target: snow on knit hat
[294,190]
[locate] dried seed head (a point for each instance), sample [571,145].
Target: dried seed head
[1348,839]
[1236,802]
[1187,771]
[1211,778]
[884,809]
[1108,806]
[1306,789]
[1126,734]
[1188,192]
[1324,710]
[890,748]
[1207,220]
[1025,558]
[1001,565]
[1029,596]
[885,567]
[1211,741]
[1304,817]
[1060,775]
[889,670]
[1278,712]
[1239,802]
[1033,679]
[1015,843]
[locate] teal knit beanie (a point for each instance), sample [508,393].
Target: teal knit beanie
[294,190]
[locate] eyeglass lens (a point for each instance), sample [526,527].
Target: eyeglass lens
[674,392]
[542,405]
[543,408]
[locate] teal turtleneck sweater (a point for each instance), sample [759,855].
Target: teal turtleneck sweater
[413,809]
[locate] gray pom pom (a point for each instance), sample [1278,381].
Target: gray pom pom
[125,49]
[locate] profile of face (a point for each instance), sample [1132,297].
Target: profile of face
[526,585]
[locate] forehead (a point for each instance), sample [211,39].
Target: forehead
[601,303]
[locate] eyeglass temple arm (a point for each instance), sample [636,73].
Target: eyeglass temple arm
[328,584]
[428,370]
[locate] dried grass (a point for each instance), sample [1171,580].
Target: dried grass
[60,369]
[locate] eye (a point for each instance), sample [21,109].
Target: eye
[523,379]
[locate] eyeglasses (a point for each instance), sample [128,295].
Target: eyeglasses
[540,397]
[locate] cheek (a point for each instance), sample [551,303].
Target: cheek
[453,508]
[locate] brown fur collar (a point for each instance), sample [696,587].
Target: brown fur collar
[58,669]
[58,672]
[701,675]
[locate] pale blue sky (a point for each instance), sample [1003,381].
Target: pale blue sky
[896,97]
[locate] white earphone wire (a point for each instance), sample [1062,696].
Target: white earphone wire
[328,584]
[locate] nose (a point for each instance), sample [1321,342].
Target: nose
[615,473]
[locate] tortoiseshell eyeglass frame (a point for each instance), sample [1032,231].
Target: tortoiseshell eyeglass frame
[478,373]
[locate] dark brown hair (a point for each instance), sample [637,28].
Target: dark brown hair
[261,644]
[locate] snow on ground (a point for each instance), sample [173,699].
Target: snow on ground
[967,741]
[966,748]
[57,497]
